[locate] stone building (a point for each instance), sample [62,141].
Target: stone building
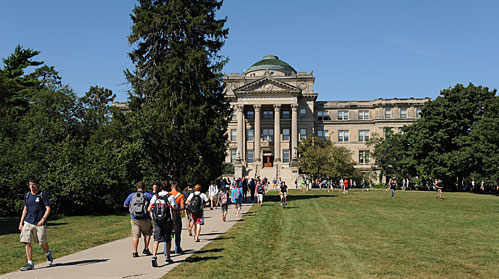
[274,107]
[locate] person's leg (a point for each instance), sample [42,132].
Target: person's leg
[168,248]
[147,240]
[393,192]
[155,246]
[135,244]
[178,232]
[198,231]
[29,251]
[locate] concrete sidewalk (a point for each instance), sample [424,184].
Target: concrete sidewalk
[114,259]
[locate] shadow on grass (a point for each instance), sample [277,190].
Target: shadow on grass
[195,259]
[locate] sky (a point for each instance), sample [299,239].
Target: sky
[357,50]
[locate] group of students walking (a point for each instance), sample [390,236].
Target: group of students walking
[166,205]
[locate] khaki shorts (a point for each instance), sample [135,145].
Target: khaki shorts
[141,226]
[37,233]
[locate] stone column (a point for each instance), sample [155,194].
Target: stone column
[294,130]
[277,133]
[257,132]
[240,131]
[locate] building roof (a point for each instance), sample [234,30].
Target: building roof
[270,62]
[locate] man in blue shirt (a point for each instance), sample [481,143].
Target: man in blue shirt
[138,202]
[33,222]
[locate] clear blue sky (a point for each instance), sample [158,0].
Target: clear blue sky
[358,50]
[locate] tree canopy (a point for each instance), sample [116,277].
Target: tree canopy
[453,140]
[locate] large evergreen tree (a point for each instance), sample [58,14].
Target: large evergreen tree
[177,101]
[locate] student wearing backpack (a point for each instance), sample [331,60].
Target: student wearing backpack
[137,203]
[163,206]
[187,193]
[260,191]
[33,223]
[195,204]
[179,198]
[224,202]
[237,198]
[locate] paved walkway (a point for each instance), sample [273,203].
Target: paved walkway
[114,259]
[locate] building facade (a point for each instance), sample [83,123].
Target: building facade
[275,107]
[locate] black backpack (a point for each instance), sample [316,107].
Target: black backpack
[260,189]
[195,205]
[161,209]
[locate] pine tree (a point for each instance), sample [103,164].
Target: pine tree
[177,101]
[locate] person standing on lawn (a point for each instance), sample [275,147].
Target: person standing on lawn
[195,204]
[283,192]
[391,186]
[346,185]
[440,187]
[179,199]
[33,224]
[137,203]
[260,191]
[163,207]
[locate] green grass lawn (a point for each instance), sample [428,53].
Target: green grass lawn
[65,236]
[359,235]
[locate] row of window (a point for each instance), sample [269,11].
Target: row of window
[364,114]
[268,135]
[323,115]
[250,158]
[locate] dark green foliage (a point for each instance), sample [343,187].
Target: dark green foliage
[178,106]
[454,139]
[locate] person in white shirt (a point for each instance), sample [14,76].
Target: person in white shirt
[213,194]
[163,228]
[196,202]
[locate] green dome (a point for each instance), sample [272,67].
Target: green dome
[270,62]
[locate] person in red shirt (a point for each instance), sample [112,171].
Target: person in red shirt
[346,182]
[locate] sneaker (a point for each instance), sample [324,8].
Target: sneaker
[50,259]
[179,251]
[147,252]
[154,262]
[168,260]
[27,267]
[135,255]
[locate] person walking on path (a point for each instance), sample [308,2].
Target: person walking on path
[163,207]
[283,192]
[33,224]
[224,202]
[260,191]
[189,190]
[137,203]
[179,199]
[196,202]
[213,194]
[252,188]
[237,198]
[391,186]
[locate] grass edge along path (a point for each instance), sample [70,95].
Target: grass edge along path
[66,235]
[359,235]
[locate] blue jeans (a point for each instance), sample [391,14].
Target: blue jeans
[393,192]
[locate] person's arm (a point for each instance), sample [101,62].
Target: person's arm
[127,202]
[23,216]
[45,216]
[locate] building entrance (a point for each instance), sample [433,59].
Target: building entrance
[268,161]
